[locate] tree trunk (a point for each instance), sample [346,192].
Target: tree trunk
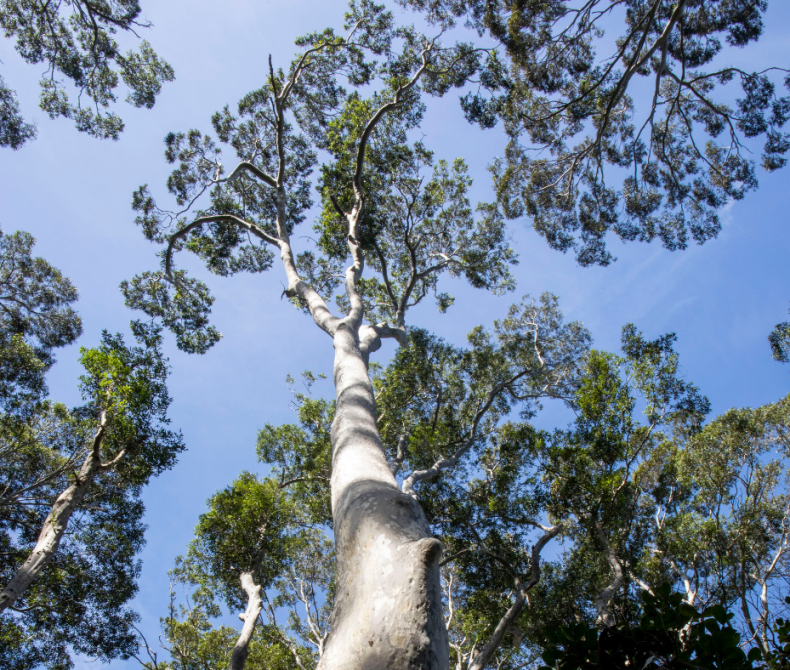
[388,607]
[53,529]
[250,617]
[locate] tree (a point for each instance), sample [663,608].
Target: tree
[75,39]
[568,95]
[726,531]
[265,197]
[240,542]
[378,209]
[70,510]
[258,550]
[36,317]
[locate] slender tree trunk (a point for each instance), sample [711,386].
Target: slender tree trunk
[388,608]
[250,617]
[54,527]
[602,600]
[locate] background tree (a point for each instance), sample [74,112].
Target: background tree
[779,340]
[75,39]
[255,548]
[639,503]
[724,533]
[70,509]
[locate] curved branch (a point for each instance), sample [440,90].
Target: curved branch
[363,141]
[445,463]
[246,166]
[223,218]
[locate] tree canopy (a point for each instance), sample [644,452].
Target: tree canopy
[427,515]
[621,115]
[75,39]
[70,509]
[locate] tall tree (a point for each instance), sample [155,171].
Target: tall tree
[397,230]
[265,197]
[74,39]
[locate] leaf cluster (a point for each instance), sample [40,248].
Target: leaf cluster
[75,40]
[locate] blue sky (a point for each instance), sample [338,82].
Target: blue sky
[73,194]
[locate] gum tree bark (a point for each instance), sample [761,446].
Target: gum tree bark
[56,522]
[250,617]
[387,610]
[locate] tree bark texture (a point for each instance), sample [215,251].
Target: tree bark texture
[54,527]
[388,607]
[250,617]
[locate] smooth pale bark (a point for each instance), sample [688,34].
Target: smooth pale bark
[250,617]
[388,607]
[481,660]
[54,526]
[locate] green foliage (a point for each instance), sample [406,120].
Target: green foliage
[301,455]
[183,305]
[94,571]
[415,227]
[444,399]
[590,485]
[779,339]
[779,657]
[242,531]
[670,635]
[195,644]
[36,317]
[354,97]
[75,39]
[128,386]
[727,509]
[564,78]
[14,132]
[254,526]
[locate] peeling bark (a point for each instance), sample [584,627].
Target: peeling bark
[388,612]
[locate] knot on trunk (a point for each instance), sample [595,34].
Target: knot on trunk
[430,550]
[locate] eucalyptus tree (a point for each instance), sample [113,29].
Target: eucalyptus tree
[583,487]
[239,543]
[259,550]
[605,472]
[724,530]
[70,510]
[264,197]
[193,643]
[74,39]
[641,93]
[36,317]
